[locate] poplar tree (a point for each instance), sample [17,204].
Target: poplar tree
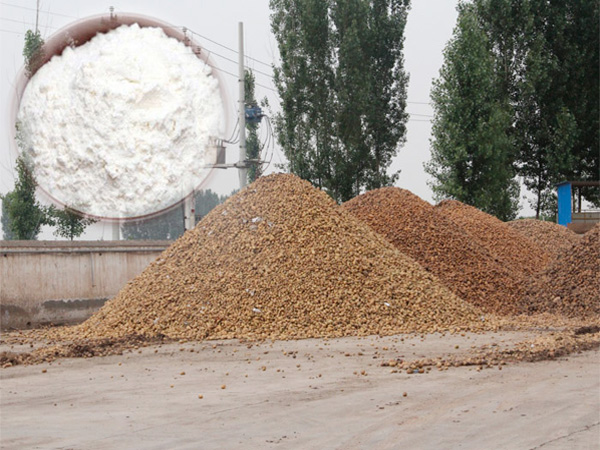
[386,115]
[471,151]
[343,90]
[305,83]
[557,116]
[22,215]
[545,59]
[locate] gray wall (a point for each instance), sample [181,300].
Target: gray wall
[65,282]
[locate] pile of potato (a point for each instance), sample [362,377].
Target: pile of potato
[472,271]
[571,284]
[282,260]
[512,249]
[551,237]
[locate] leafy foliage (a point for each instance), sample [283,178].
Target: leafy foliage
[33,52]
[6,218]
[22,215]
[170,224]
[343,90]
[69,222]
[252,143]
[471,149]
[25,216]
[557,98]
[543,60]
[206,200]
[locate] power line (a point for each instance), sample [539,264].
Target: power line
[269,65]
[237,77]
[245,66]
[195,33]
[24,23]
[266,87]
[210,51]
[234,138]
[13,20]
[228,48]
[34,9]
[13,32]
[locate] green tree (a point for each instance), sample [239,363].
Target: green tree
[33,52]
[557,98]
[252,142]
[386,116]
[305,82]
[206,200]
[547,56]
[6,220]
[581,58]
[170,224]
[69,223]
[22,215]
[25,215]
[351,35]
[166,226]
[342,89]
[472,151]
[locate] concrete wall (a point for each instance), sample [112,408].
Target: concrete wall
[65,282]
[582,222]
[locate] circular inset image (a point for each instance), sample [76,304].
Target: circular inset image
[123,125]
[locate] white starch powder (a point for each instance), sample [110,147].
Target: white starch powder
[118,126]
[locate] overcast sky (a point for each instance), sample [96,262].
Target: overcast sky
[429,27]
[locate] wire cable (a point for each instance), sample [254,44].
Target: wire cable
[245,66]
[237,124]
[196,34]
[228,48]
[13,32]
[236,76]
[272,140]
[21,21]
[33,9]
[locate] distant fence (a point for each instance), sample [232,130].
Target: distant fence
[65,282]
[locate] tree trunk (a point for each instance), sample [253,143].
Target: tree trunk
[538,204]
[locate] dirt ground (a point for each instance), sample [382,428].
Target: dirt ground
[309,394]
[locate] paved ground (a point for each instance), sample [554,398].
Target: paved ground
[308,394]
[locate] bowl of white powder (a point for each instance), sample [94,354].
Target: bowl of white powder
[122,119]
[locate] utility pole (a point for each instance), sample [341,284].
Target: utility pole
[242,117]
[189,211]
[37,15]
